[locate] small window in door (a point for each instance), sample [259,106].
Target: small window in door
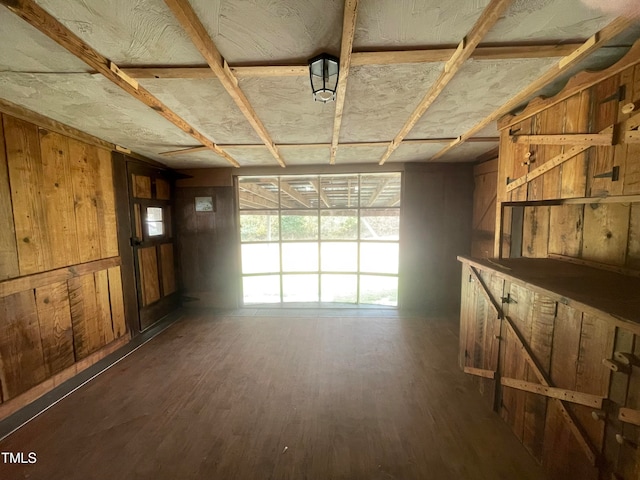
[155,222]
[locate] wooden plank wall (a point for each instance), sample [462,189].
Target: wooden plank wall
[595,232]
[579,218]
[60,284]
[484,208]
[207,247]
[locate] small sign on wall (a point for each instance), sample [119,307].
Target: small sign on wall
[205,204]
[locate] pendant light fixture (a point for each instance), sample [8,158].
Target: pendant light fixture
[323,71]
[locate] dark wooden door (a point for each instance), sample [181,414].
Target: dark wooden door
[150,191]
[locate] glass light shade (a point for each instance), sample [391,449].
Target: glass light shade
[324,71]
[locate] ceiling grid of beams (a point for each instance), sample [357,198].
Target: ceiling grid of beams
[153,50]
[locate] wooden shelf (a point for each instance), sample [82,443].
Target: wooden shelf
[612,296]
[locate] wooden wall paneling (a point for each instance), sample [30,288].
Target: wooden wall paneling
[117,303]
[84,315]
[506,153]
[21,359]
[514,366]
[163,189]
[128,284]
[137,214]
[26,177]
[149,281]
[629,455]
[484,208]
[596,344]
[518,168]
[630,167]
[84,163]
[103,305]
[57,190]
[141,185]
[633,248]
[535,235]
[563,457]
[604,107]
[573,173]
[619,386]
[8,249]
[168,268]
[565,229]
[106,204]
[606,232]
[54,319]
[466,315]
[544,314]
[549,122]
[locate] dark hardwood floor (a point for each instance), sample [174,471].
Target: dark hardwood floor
[278,397]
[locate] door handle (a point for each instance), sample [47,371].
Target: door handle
[135,242]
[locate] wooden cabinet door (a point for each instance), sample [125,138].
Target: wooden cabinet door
[152,241]
[480,329]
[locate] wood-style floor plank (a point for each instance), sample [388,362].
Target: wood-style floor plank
[279,397]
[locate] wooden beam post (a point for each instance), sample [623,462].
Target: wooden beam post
[39,18]
[348,32]
[489,17]
[187,17]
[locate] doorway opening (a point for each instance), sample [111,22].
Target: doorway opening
[320,238]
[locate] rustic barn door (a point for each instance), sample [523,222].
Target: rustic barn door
[152,241]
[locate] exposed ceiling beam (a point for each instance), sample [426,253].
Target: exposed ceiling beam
[427,55]
[36,16]
[441,54]
[592,44]
[348,32]
[376,193]
[488,18]
[411,141]
[321,192]
[293,193]
[183,11]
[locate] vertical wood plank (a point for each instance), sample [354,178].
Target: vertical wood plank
[163,189]
[84,315]
[631,167]
[606,231]
[517,168]
[604,107]
[596,343]
[21,359]
[25,174]
[566,230]
[117,302]
[633,249]
[535,235]
[141,186]
[137,216]
[544,313]
[8,249]
[83,162]
[106,204]
[574,171]
[54,318]
[147,259]
[168,269]
[58,205]
[103,304]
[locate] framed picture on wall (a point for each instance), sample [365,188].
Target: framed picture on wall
[204,204]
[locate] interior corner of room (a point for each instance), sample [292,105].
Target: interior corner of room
[281,239]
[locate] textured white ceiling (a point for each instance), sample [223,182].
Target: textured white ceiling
[378,102]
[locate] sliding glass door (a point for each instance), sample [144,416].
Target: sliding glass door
[320,238]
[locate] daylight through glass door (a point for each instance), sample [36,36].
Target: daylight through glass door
[320,238]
